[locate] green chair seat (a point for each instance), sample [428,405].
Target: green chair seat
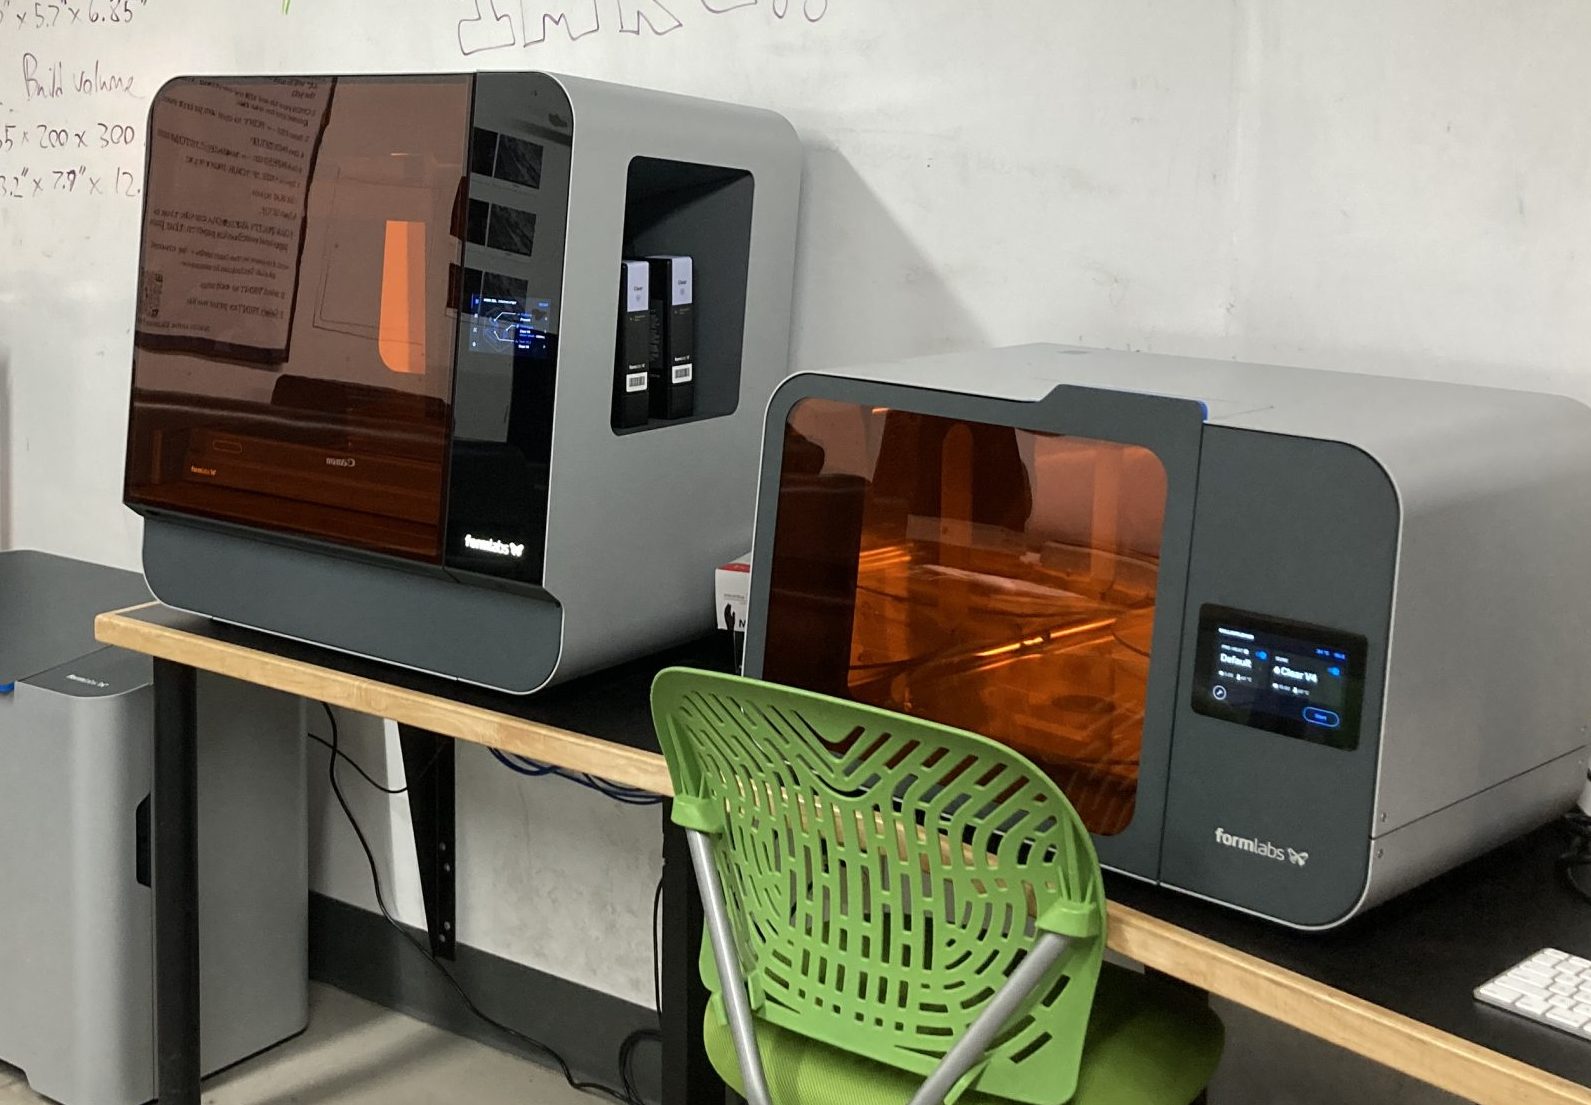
[1147,1044]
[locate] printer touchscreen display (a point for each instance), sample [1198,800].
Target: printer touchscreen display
[1284,677]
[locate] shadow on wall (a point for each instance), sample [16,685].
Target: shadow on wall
[865,291]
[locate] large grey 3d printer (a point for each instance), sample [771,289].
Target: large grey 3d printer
[377,416]
[1291,640]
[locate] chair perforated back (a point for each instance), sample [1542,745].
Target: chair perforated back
[884,875]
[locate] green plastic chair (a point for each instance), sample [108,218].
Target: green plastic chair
[898,911]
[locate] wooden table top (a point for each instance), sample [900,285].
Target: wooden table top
[1393,986]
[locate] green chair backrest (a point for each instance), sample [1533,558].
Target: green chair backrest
[884,875]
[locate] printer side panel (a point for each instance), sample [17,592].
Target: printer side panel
[639,520]
[253,869]
[1487,675]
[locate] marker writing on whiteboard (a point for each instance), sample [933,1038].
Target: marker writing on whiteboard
[48,84]
[45,136]
[498,24]
[41,16]
[70,180]
[50,80]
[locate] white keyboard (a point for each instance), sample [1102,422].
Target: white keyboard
[1551,987]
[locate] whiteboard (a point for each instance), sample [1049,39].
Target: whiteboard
[1358,185]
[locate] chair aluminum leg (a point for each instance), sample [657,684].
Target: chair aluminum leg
[730,976]
[968,1050]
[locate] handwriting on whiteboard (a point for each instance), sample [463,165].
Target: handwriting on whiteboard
[498,24]
[71,127]
[38,15]
[51,80]
[68,179]
[43,77]
[43,136]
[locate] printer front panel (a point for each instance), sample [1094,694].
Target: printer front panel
[1010,568]
[1278,713]
[509,295]
[293,354]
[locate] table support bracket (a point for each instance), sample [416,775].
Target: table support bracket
[688,1076]
[428,768]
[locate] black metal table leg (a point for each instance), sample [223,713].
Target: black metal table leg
[1199,995]
[688,1076]
[175,846]
[428,771]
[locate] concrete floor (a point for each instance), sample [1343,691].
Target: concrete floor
[355,1053]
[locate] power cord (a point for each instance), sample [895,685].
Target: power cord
[657,956]
[629,796]
[627,1058]
[645,1035]
[353,763]
[627,1096]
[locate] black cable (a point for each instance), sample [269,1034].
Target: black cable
[627,1058]
[353,763]
[629,796]
[642,1035]
[1579,854]
[625,1097]
[657,958]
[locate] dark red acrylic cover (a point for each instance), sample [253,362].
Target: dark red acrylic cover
[984,576]
[293,357]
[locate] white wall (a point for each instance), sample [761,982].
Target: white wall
[1401,187]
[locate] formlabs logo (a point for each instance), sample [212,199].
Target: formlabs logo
[74,677]
[497,548]
[1260,848]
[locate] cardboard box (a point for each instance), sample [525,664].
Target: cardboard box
[733,587]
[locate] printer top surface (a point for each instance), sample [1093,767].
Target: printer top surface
[47,608]
[1276,398]
[1448,437]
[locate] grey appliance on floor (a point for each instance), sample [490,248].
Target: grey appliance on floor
[401,441]
[1290,640]
[76,910]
